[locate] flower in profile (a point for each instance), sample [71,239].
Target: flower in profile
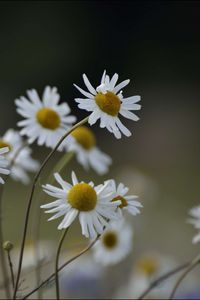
[106,103]
[19,156]
[3,163]
[114,244]
[195,220]
[82,141]
[91,204]
[45,120]
[128,202]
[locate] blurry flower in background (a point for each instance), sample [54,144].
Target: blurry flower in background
[45,120]
[115,243]
[91,204]
[195,220]
[82,141]
[44,254]
[83,279]
[19,155]
[3,163]
[106,102]
[128,202]
[149,267]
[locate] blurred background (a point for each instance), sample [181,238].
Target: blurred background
[154,43]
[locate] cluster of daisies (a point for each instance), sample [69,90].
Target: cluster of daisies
[99,208]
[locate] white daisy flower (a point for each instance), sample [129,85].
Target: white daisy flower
[195,220]
[20,154]
[82,141]
[106,103]
[128,202]
[45,120]
[91,204]
[3,163]
[114,244]
[148,268]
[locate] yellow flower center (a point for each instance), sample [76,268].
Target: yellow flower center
[85,137]
[124,202]
[110,239]
[147,265]
[109,103]
[82,197]
[48,118]
[4,144]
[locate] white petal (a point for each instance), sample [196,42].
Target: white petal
[86,94]
[74,178]
[121,85]
[88,85]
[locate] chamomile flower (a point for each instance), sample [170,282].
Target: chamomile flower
[19,155]
[45,120]
[148,268]
[106,103]
[92,205]
[195,220]
[82,141]
[114,244]
[3,163]
[128,202]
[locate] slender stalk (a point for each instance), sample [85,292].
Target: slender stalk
[57,262]
[191,266]
[2,254]
[31,198]
[162,278]
[11,269]
[62,267]
[63,162]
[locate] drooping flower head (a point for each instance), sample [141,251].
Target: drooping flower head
[91,204]
[128,202]
[3,163]
[114,244]
[45,120]
[19,156]
[83,142]
[195,220]
[107,103]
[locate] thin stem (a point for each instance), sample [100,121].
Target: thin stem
[11,269]
[57,262]
[191,266]
[62,267]
[2,254]
[161,279]
[63,162]
[31,198]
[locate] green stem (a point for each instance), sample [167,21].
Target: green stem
[191,266]
[62,267]
[11,269]
[57,263]
[31,199]
[2,254]
[63,162]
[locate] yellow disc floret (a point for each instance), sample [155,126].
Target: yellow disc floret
[108,103]
[147,265]
[124,202]
[85,137]
[110,239]
[82,197]
[48,118]
[4,144]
